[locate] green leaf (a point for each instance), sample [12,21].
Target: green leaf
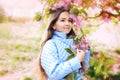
[98,69]
[117,50]
[92,62]
[71,76]
[50,2]
[69,50]
[115,20]
[74,10]
[37,16]
[105,69]
[76,41]
[74,75]
[110,61]
[70,56]
[68,77]
[83,12]
[86,29]
[102,54]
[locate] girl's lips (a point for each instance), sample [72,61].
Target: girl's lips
[67,28]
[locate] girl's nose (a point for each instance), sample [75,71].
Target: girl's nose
[67,23]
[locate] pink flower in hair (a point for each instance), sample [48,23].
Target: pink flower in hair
[58,5]
[64,4]
[67,3]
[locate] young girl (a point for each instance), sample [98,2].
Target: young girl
[53,64]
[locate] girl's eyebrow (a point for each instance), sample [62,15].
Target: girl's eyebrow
[62,18]
[65,18]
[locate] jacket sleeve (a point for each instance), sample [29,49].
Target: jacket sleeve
[87,58]
[54,68]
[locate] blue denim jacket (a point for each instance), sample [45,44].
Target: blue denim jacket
[53,58]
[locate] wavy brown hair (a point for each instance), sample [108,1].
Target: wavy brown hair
[48,35]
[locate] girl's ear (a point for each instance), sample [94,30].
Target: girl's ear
[54,27]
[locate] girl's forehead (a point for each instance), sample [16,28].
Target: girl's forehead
[64,15]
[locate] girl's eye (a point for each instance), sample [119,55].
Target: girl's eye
[70,20]
[62,20]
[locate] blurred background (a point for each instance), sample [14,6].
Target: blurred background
[20,36]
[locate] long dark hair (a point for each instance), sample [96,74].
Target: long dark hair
[53,18]
[48,35]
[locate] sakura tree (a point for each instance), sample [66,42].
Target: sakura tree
[84,12]
[86,9]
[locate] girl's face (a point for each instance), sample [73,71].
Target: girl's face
[64,23]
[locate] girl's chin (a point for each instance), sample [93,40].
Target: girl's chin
[67,32]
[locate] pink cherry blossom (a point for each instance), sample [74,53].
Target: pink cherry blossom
[77,20]
[67,2]
[106,19]
[64,4]
[82,46]
[77,2]
[74,47]
[94,5]
[86,41]
[116,68]
[97,56]
[117,5]
[118,18]
[58,5]
[108,9]
[73,17]
[107,1]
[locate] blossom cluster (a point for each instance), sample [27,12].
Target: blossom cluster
[68,4]
[77,20]
[65,3]
[82,44]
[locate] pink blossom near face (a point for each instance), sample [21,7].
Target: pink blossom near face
[77,20]
[74,47]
